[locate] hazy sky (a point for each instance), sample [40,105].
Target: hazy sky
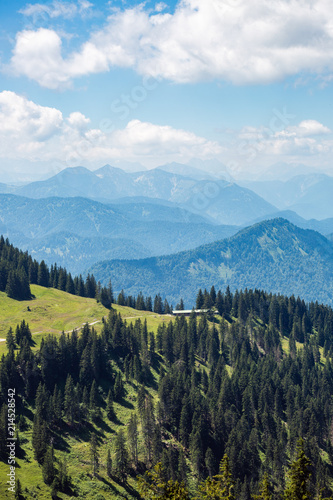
[248,82]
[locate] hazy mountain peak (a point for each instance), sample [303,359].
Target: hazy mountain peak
[71,171]
[185,170]
[109,171]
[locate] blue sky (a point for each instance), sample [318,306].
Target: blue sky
[248,84]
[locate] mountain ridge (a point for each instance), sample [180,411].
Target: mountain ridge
[77,232]
[274,255]
[224,201]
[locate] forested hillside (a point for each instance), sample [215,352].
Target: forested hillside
[18,270]
[77,232]
[96,411]
[274,255]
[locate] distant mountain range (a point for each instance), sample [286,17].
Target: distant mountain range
[274,255]
[223,201]
[311,196]
[78,232]
[324,226]
[216,197]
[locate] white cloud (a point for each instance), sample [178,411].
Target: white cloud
[143,138]
[33,132]
[56,9]
[78,121]
[21,118]
[159,7]
[306,128]
[37,54]
[238,41]
[308,141]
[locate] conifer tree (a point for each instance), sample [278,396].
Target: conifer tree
[43,274]
[221,486]
[10,342]
[110,291]
[94,453]
[148,426]
[85,402]
[210,462]
[121,455]
[63,477]
[199,300]
[94,407]
[108,464]
[12,287]
[264,489]
[18,490]
[298,477]
[118,389]
[69,399]
[69,287]
[3,433]
[110,413]
[48,466]
[153,486]
[39,438]
[132,437]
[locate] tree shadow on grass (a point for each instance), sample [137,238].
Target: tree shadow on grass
[125,404]
[59,442]
[123,484]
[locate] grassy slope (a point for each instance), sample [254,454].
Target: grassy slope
[52,311]
[78,459]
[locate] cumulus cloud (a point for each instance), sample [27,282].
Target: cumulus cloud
[307,138]
[306,128]
[34,132]
[37,55]
[29,131]
[148,138]
[237,41]
[22,118]
[78,120]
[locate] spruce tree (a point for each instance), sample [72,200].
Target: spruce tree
[94,407]
[10,341]
[18,490]
[110,413]
[69,399]
[121,455]
[48,466]
[118,389]
[264,489]
[43,275]
[108,464]
[298,477]
[132,437]
[221,486]
[94,453]
[64,479]
[39,438]
[154,486]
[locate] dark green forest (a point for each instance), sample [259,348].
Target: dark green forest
[234,394]
[18,270]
